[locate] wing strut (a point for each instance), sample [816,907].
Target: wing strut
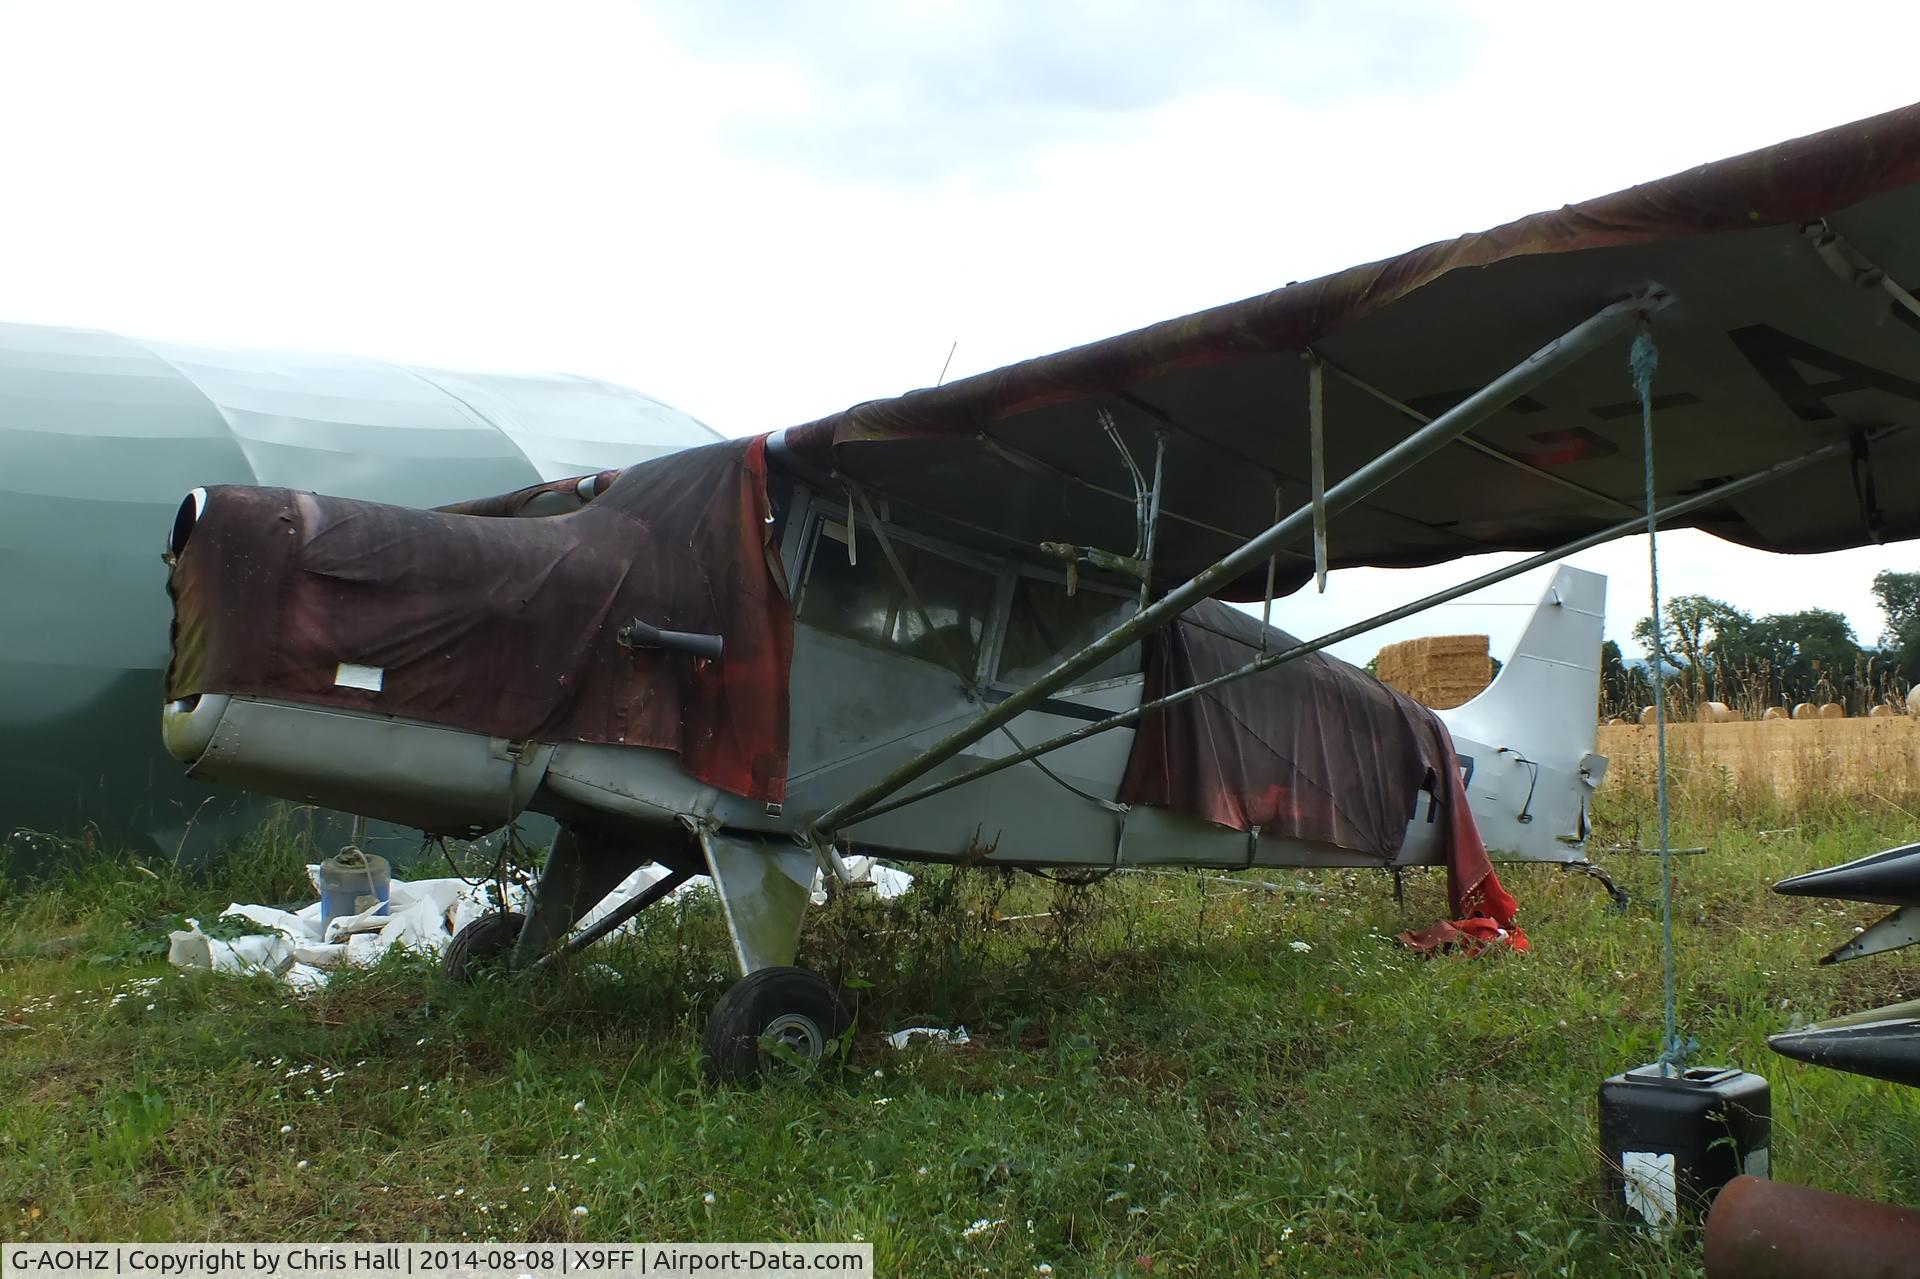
[1317,444]
[1248,556]
[1637,524]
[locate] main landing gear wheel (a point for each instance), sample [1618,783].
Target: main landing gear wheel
[482,946]
[776,1016]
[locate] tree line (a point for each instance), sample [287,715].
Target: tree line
[1719,653]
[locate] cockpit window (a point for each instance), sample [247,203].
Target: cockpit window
[1045,624]
[864,601]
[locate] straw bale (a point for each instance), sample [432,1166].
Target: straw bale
[1646,716]
[1883,711]
[1913,701]
[1806,710]
[1440,671]
[1832,710]
[1774,712]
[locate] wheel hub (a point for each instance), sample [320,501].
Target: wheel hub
[798,1033]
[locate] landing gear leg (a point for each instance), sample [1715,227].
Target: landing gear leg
[775,1013]
[580,871]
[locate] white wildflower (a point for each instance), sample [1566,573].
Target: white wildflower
[303,1165]
[285,1129]
[709,1199]
[1300,946]
[579,1106]
[579,1210]
[981,1226]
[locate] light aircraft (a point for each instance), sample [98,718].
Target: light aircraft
[981,622]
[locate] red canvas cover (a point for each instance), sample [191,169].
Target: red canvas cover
[507,626]
[1310,749]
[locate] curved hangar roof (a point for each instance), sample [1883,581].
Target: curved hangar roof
[101,436]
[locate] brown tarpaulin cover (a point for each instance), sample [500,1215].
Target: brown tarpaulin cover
[506,626]
[1311,749]
[1216,375]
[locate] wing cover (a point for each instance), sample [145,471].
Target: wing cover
[507,626]
[1773,348]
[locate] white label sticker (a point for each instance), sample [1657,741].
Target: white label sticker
[1650,1186]
[1756,1164]
[350,675]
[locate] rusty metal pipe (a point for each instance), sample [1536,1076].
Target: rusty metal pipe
[1762,1229]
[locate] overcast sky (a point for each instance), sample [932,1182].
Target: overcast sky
[763,212]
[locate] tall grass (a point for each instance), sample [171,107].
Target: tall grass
[1168,1074]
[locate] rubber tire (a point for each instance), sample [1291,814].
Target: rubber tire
[481,945]
[749,1010]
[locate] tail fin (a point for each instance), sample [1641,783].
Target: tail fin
[1529,738]
[1547,695]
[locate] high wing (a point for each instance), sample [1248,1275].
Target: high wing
[1788,329]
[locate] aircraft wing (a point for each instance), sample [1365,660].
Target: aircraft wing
[1789,329]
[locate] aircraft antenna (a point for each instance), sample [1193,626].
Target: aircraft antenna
[949,362]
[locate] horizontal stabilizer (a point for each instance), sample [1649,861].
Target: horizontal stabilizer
[1891,878]
[1883,1043]
[1898,930]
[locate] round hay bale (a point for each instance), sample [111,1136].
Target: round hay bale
[1913,701]
[1774,712]
[1882,711]
[1614,721]
[1832,710]
[1715,712]
[1646,717]
[1806,710]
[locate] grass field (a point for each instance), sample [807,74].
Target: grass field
[1168,1075]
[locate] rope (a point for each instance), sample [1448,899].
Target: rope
[1642,361]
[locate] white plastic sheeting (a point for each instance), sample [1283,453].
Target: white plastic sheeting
[422,915]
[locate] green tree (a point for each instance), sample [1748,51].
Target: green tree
[1694,630]
[1615,691]
[1900,600]
[1807,656]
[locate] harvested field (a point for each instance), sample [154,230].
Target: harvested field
[1786,758]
